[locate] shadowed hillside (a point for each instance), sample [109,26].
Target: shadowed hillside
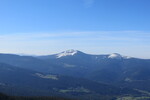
[5,97]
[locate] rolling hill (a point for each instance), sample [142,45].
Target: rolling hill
[73,73]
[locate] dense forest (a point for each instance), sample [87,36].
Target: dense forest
[80,76]
[6,97]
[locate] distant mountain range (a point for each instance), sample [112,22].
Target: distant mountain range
[73,73]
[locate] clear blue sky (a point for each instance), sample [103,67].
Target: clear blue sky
[93,26]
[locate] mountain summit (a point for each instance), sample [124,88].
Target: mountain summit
[115,56]
[70,52]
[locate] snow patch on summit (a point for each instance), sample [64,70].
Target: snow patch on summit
[118,56]
[115,55]
[67,53]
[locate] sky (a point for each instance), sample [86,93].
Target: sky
[42,27]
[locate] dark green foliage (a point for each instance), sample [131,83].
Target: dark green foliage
[18,81]
[5,97]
